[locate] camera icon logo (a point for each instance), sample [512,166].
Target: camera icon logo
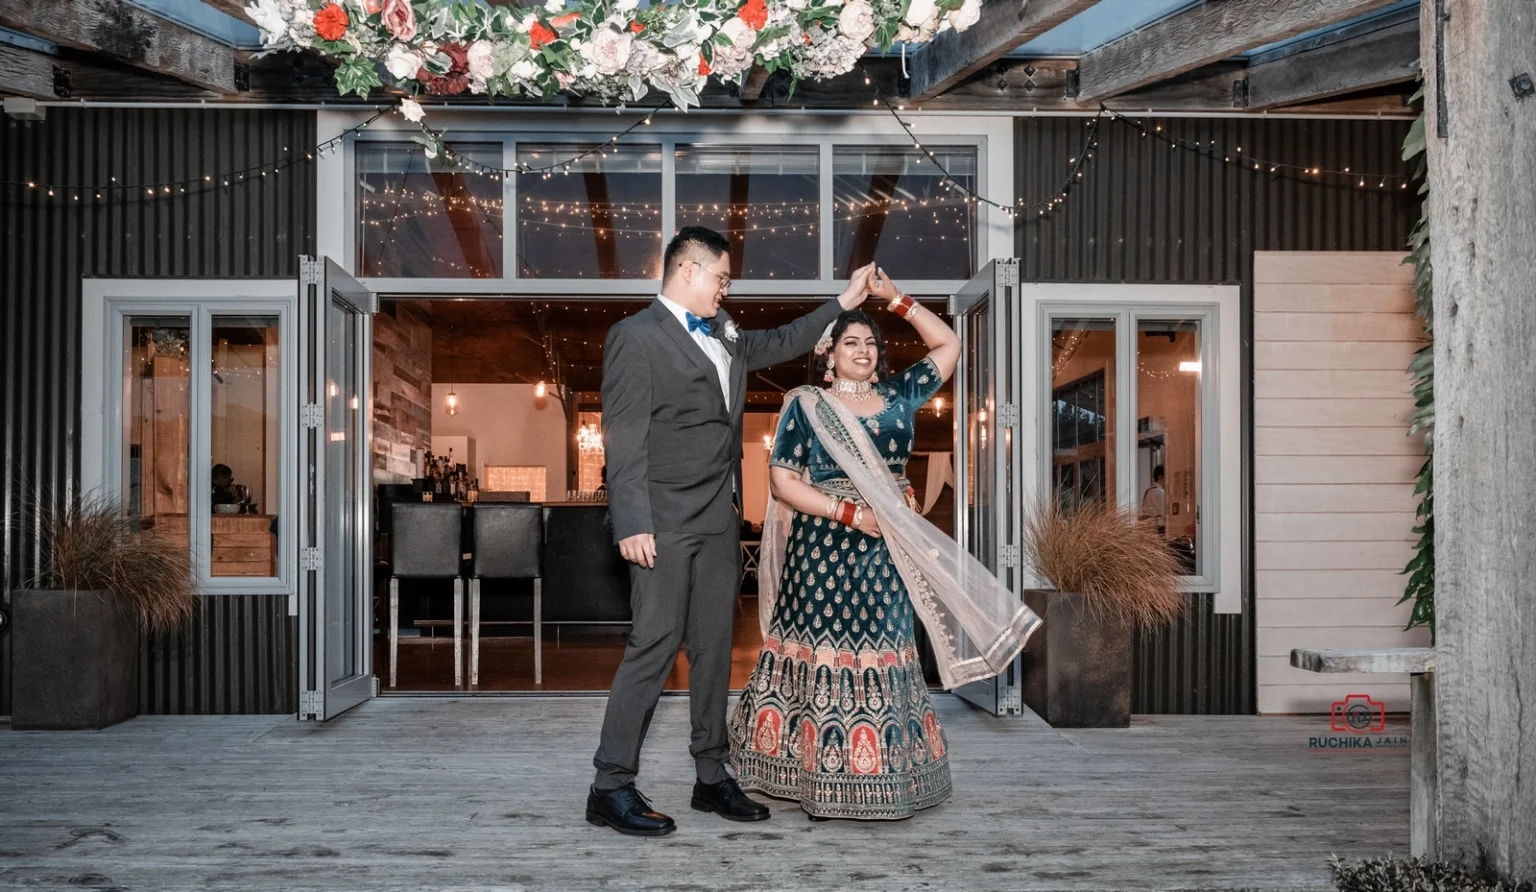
[1358,713]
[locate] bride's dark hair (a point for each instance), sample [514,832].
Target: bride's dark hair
[819,361]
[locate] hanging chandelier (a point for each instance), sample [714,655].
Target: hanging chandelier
[589,439]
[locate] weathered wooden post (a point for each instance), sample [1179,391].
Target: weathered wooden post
[1479,59]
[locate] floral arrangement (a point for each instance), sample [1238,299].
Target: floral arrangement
[612,50]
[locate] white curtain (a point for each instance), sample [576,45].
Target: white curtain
[941,471]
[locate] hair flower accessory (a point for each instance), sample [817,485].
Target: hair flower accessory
[825,342]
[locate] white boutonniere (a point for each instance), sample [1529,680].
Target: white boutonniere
[731,332]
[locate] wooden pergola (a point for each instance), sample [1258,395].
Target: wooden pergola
[1479,60]
[1196,60]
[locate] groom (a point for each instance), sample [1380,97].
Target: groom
[674,387]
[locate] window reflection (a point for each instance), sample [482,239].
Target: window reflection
[766,201]
[892,207]
[245,451]
[1168,433]
[595,217]
[1083,411]
[419,217]
[159,425]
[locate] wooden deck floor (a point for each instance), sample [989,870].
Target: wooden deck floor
[487,794]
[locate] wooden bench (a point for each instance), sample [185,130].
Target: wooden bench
[1419,663]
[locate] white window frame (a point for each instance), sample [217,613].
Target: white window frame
[106,307]
[991,136]
[1218,309]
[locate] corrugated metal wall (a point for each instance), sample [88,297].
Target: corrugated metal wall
[238,654]
[1145,212]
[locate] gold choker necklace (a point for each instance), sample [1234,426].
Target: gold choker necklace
[852,388]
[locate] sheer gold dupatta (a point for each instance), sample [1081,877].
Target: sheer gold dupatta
[975,624]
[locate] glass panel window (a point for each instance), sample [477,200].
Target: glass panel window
[892,207]
[343,396]
[980,446]
[766,201]
[245,446]
[1168,433]
[595,217]
[419,217]
[1082,411]
[158,438]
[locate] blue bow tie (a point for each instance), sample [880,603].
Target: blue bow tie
[697,324]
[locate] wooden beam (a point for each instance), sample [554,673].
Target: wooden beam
[1377,59]
[26,72]
[1202,34]
[72,75]
[124,32]
[752,85]
[1482,221]
[1004,25]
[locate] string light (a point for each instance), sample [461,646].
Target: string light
[113,189]
[1210,149]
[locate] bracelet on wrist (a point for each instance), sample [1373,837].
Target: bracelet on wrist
[858,515]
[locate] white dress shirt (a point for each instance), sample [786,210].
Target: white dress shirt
[711,347]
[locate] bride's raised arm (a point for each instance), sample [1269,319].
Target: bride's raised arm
[942,342]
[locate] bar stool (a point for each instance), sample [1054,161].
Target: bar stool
[427,543]
[509,544]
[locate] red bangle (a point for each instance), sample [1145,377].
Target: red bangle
[845,512]
[901,305]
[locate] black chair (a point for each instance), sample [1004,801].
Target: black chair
[509,544]
[427,543]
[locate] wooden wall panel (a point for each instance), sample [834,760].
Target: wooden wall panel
[1333,468]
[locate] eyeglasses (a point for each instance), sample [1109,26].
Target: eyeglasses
[725,278]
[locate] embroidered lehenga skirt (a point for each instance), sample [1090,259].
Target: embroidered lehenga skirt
[836,715]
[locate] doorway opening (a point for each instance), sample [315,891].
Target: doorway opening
[505,397]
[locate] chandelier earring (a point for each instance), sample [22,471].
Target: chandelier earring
[829,375]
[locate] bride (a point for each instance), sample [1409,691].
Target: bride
[837,714]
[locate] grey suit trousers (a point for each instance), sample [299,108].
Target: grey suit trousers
[688,599]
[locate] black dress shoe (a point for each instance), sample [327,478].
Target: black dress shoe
[726,800]
[626,811]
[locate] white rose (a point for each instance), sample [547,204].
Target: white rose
[411,109]
[920,13]
[627,6]
[481,66]
[857,20]
[967,15]
[402,63]
[554,6]
[797,5]
[268,16]
[609,50]
[742,35]
[525,70]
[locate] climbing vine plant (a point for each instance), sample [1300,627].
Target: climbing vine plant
[1421,570]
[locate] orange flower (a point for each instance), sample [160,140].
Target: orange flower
[703,66]
[540,35]
[754,13]
[636,27]
[331,22]
[562,21]
[373,7]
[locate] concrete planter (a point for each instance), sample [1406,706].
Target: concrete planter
[1077,668]
[75,662]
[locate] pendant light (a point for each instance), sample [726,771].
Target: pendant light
[451,404]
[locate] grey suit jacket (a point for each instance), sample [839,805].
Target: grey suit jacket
[672,448]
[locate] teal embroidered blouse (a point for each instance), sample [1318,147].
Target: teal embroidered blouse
[796,447]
